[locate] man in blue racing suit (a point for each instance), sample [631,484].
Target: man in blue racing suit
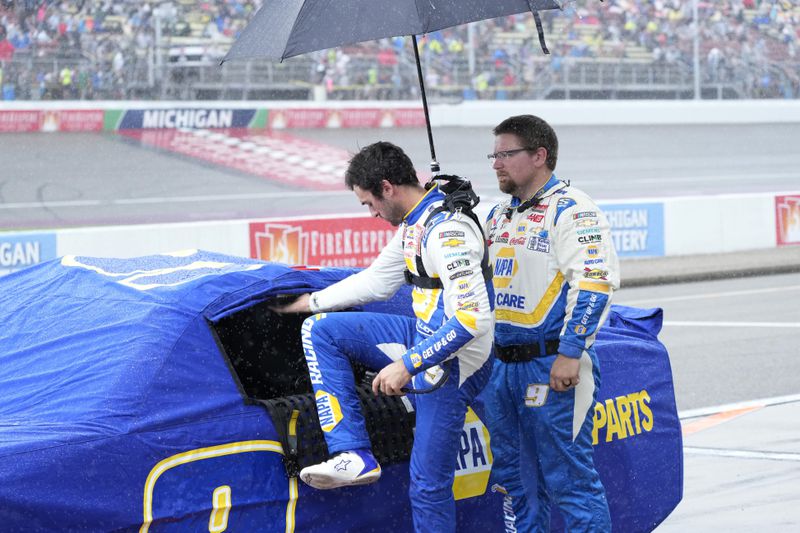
[555,268]
[442,254]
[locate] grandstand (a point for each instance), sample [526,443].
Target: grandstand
[99,49]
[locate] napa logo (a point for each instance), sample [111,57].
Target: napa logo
[505,266]
[622,417]
[474,459]
[328,409]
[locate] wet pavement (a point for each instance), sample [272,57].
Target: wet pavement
[730,326]
[677,269]
[741,469]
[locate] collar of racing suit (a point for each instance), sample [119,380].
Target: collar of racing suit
[433,195]
[552,185]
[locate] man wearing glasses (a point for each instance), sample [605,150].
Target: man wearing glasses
[555,268]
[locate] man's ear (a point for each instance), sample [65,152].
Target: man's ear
[387,188]
[541,152]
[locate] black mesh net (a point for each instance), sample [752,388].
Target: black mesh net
[390,425]
[265,356]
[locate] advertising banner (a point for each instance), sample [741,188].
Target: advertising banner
[637,229]
[19,121]
[20,250]
[787,219]
[51,120]
[185,118]
[77,120]
[346,118]
[351,242]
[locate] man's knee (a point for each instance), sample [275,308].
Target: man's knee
[435,505]
[432,492]
[315,327]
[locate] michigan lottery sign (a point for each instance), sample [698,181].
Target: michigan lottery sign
[636,229]
[21,250]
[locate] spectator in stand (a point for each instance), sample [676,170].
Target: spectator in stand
[6,48]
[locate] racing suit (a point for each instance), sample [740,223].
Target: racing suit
[555,268]
[453,329]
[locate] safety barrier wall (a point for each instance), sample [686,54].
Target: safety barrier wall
[109,116]
[646,227]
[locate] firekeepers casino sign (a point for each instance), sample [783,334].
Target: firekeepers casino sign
[787,219]
[351,242]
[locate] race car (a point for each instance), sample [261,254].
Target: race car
[161,393]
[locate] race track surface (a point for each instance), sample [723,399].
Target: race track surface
[52,180]
[733,342]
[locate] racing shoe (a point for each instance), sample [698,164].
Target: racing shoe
[356,467]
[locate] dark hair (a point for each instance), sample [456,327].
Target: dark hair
[377,162]
[534,132]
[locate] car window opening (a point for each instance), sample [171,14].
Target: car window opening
[264,353]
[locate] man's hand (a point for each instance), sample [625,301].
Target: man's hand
[298,306]
[391,379]
[564,373]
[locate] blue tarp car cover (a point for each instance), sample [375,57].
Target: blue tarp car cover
[118,411]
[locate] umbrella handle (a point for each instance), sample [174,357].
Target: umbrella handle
[434,162]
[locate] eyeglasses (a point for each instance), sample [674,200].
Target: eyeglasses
[505,154]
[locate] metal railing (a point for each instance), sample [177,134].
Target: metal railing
[142,76]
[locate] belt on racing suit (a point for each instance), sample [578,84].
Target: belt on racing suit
[522,353]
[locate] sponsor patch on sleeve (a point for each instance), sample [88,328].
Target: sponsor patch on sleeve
[589,239]
[594,273]
[461,274]
[457,263]
[453,242]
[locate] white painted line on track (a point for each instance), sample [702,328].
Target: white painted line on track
[65,203]
[762,402]
[223,197]
[709,295]
[728,178]
[176,199]
[679,323]
[742,454]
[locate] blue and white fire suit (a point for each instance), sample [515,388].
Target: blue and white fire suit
[555,268]
[453,328]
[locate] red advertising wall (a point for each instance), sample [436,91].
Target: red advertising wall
[51,120]
[17,121]
[346,118]
[351,241]
[787,219]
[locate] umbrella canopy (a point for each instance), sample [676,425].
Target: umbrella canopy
[286,28]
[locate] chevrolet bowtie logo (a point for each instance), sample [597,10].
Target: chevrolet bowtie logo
[453,242]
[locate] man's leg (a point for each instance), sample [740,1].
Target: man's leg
[440,421]
[331,342]
[562,429]
[503,423]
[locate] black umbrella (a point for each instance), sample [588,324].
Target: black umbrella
[287,28]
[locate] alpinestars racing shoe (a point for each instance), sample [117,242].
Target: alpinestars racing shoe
[356,467]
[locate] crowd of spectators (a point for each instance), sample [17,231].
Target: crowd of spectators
[100,48]
[81,48]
